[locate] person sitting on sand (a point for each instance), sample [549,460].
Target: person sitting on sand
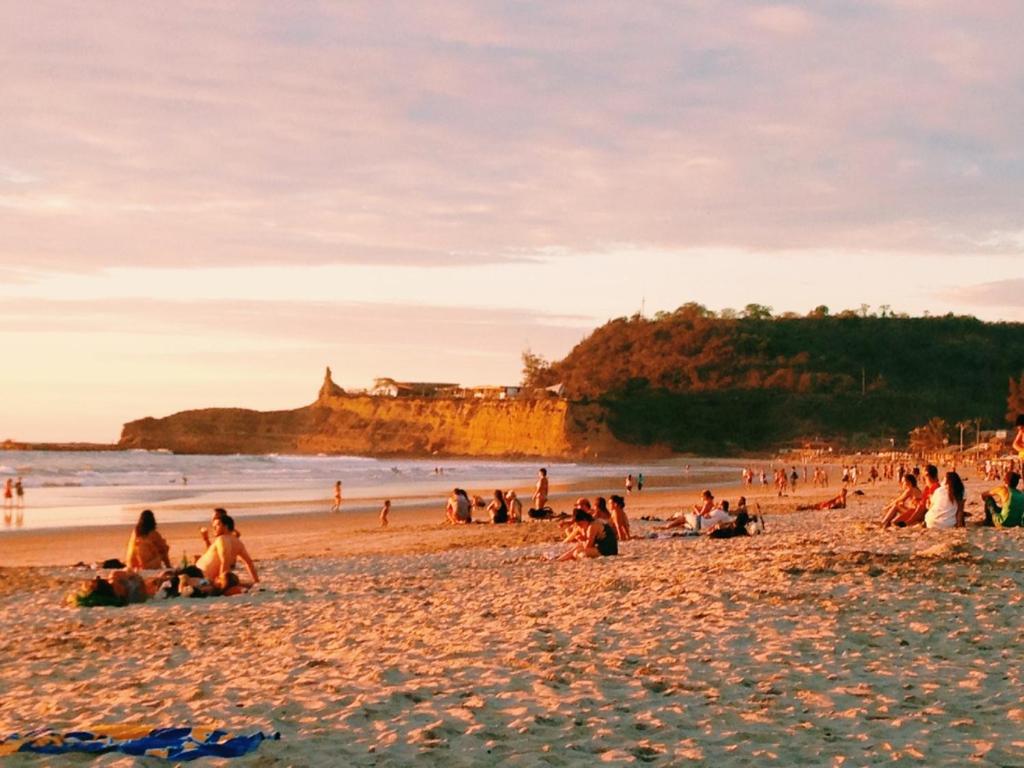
[836,502]
[220,557]
[1004,504]
[916,516]
[459,508]
[619,518]
[221,513]
[697,520]
[497,510]
[589,537]
[515,506]
[905,502]
[737,526]
[946,508]
[707,514]
[600,510]
[147,549]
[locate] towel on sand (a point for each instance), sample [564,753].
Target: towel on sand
[169,743]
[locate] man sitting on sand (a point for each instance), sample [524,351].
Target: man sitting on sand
[836,502]
[1004,504]
[222,554]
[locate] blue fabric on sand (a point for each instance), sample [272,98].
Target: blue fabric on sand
[170,743]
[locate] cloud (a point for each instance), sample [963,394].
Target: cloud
[1002,293]
[316,323]
[481,133]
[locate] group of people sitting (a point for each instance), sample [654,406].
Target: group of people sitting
[148,571]
[940,504]
[504,507]
[716,519]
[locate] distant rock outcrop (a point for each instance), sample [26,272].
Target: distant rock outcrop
[359,424]
[329,388]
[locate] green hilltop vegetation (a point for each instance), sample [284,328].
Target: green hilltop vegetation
[697,380]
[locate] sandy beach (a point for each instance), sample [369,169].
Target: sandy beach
[823,642]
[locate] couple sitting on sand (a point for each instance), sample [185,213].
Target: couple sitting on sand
[938,505]
[595,530]
[211,574]
[716,519]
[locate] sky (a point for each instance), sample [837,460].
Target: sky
[205,204]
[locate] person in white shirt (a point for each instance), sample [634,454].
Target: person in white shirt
[946,505]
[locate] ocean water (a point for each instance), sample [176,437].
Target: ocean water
[71,489]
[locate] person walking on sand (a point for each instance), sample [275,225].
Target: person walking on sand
[336,506]
[540,495]
[384,513]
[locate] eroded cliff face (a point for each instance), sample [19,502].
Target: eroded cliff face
[378,426]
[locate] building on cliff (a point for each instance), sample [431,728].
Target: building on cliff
[385,387]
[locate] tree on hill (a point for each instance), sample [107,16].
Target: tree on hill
[749,380]
[933,436]
[536,370]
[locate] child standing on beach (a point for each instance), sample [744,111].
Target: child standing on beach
[384,513]
[336,507]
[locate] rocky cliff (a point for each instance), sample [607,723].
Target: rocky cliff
[340,423]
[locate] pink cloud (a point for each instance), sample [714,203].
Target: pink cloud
[476,133]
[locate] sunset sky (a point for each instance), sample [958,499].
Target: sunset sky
[204,204]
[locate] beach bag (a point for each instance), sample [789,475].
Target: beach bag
[544,513]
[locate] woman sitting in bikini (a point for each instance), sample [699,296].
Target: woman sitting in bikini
[905,502]
[589,537]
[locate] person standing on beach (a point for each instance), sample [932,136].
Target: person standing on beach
[629,483]
[336,506]
[640,482]
[384,513]
[1018,439]
[19,492]
[540,495]
[8,493]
